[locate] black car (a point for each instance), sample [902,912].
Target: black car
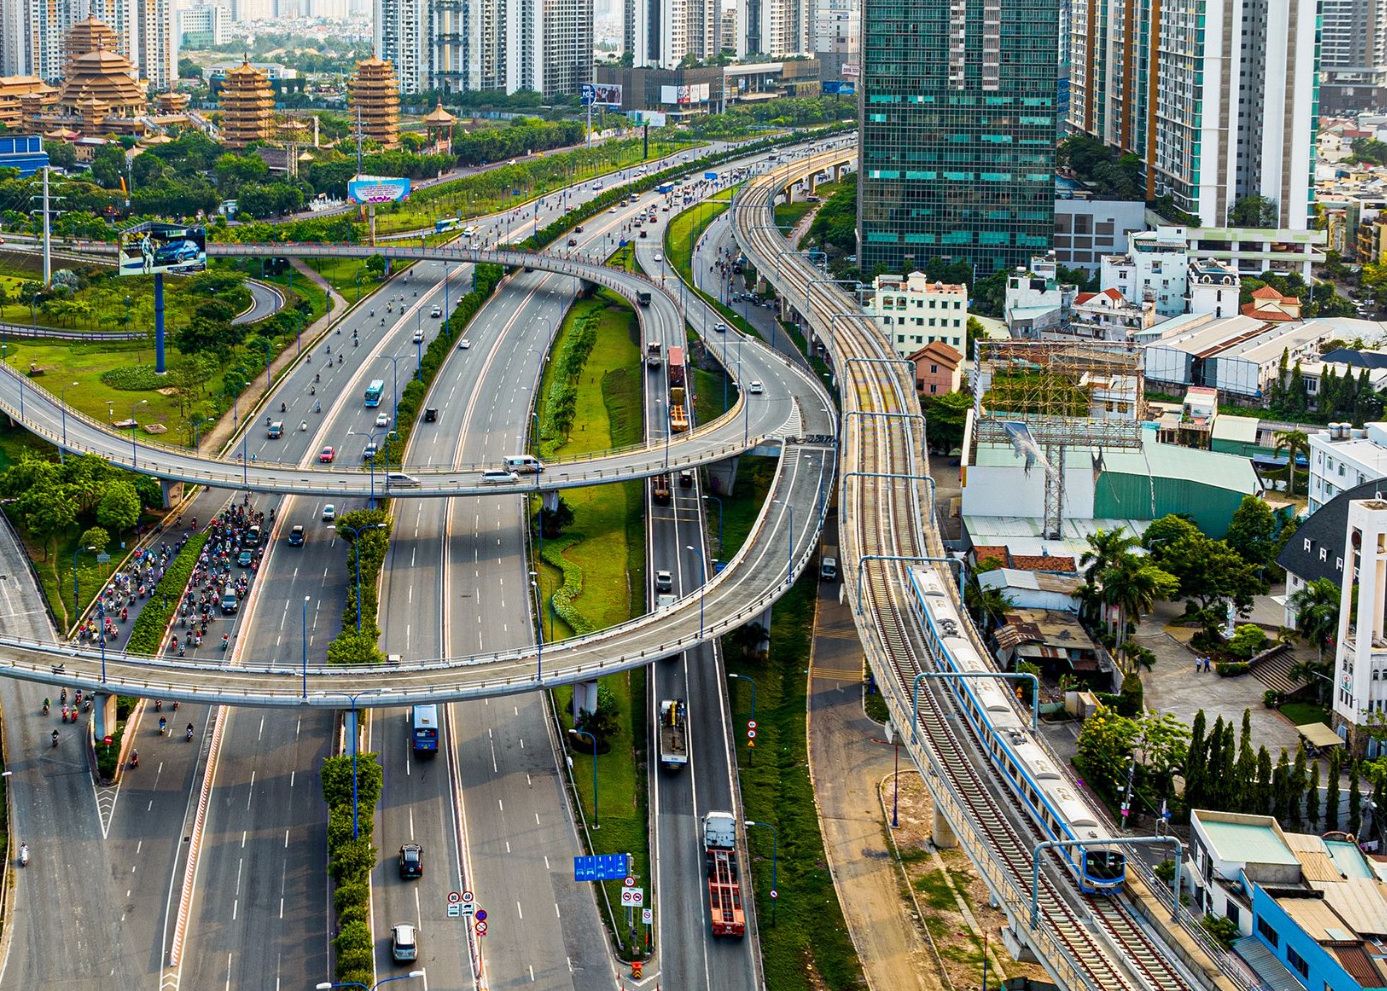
[430,414]
[296,536]
[411,860]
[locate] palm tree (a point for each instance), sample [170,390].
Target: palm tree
[1294,443]
[1317,613]
[1106,547]
[1134,585]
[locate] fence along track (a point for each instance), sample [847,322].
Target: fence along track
[887,520]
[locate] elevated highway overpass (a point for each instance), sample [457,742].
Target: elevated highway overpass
[752,421]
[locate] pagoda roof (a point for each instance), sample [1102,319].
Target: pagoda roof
[440,116]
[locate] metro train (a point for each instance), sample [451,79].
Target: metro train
[1044,790]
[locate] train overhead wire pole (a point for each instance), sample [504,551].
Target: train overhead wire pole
[889,521]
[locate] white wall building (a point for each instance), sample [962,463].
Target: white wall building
[1036,303]
[660,33]
[913,311]
[1343,457]
[1109,316]
[774,28]
[1360,656]
[1154,268]
[1086,230]
[1214,287]
[203,21]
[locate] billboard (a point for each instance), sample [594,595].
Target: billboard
[153,249]
[838,88]
[685,95]
[377,189]
[655,118]
[601,94]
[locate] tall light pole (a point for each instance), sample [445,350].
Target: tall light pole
[327,985]
[702,584]
[394,360]
[356,739]
[775,850]
[583,732]
[62,396]
[356,547]
[305,647]
[709,495]
[134,433]
[539,636]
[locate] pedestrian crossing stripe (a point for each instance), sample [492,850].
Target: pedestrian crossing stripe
[837,674]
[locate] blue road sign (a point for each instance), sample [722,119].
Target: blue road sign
[710,175]
[604,867]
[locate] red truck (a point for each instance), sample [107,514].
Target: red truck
[676,366]
[724,877]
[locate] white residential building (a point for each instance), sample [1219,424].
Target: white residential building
[661,33]
[1214,287]
[1343,457]
[1353,55]
[202,25]
[913,311]
[1109,316]
[1155,268]
[14,60]
[1360,655]
[455,45]
[1037,305]
[1216,97]
[774,28]
[836,26]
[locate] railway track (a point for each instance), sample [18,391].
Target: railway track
[888,521]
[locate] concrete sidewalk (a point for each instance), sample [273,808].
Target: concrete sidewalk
[846,762]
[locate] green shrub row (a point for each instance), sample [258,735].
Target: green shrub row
[147,635]
[350,861]
[608,197]
[571,588]
[561,405]
[136,378]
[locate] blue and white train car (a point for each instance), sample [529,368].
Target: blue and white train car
[1041,787]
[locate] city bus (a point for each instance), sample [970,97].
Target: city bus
[374,391]
[423,729]
[443,226]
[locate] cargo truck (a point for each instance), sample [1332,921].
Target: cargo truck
[660,489]
[678,419]
[676,396]
[653,356]
[724,876]
[676,366]
[674,735]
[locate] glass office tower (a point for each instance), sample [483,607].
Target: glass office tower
[957,132]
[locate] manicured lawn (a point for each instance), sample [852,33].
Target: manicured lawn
[85,364]
[1301,713]
[804,942]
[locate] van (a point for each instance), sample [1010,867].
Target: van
[828,569]
[524,463]
[275,429]
[499,476]
[399,480]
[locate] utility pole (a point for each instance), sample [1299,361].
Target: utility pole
[47,235]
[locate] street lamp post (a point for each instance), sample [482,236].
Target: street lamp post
[752,683]
[76,594]
[62,396]
[356,739]
[305,647]
[702,584]
[709,495]
[356,548]
[539,636]
[775,851]
[134,433]
[328,985]
[394,360]
[583,732]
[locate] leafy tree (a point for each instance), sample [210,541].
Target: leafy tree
[553,523]
[119,508]
[1294,443]
[1253,211]
[1102,750]
[1331,792]
[946,416]
[1284,798]
[108,166]
[1261,799]
[61,154]
[1355,803]
[1369,150]
[188,69]
[47,513]
[95,538]
[1298,784]
[337,780]
[1317,613]
[1209,572]
[1312,797]
[1195,761]
[604,723]
[1253,532]
[1134,585]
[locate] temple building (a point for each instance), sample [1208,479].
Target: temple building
[439,126]
[247,103]
[85,37]
[375,101]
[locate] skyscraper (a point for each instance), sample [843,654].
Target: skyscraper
[1216,97]
[660,33]
[957,132]
[774,27]
[506,45]
[1353,55]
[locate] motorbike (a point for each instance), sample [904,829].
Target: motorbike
[134,758]
[163,725]
[45,706]
[303,425]
[24,855]
[189,735]
[55,738]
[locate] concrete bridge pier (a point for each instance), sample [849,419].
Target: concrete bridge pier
[1014,938]
[722,476]
[941,832]
[584,697]
[103,716]
[172,492]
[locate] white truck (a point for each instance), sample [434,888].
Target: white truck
[674,735]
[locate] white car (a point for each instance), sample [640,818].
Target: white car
[464,344]
[756,388]
[659,257]
[418,337]
[437,311]
[382,419]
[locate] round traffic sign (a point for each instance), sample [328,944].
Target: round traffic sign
[481,927]
[454,898]
[630,882]
[774,893]
[481,915]
[751,734]
[751,724]
[467,896]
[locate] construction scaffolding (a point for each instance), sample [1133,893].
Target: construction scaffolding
[1042,397]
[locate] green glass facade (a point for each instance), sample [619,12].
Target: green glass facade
[957,133]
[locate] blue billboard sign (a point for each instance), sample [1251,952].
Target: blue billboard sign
[375,189]
[603,867]
[838,87]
